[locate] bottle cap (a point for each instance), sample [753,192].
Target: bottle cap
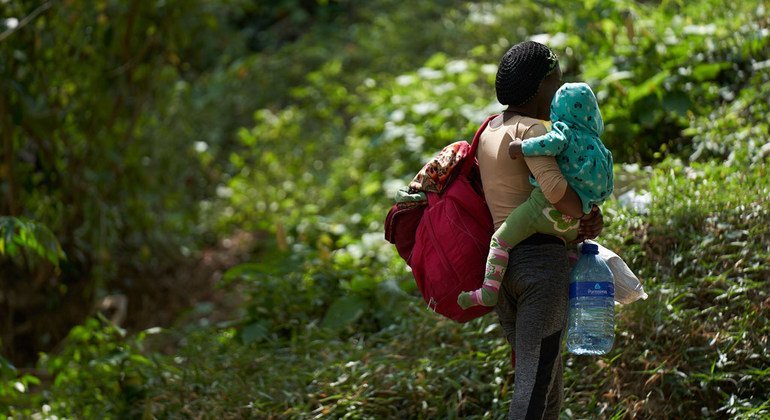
[588,248]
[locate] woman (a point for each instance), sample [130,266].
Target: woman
[532,304]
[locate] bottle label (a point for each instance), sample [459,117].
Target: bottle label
[591,288]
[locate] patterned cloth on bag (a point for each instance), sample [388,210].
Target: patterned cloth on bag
[437,173]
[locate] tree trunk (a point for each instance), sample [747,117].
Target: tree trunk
[12,205]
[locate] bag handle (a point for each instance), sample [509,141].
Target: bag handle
[471,158]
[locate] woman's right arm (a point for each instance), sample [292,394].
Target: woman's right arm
[555,188]
[570,204]
[547,173]
[564,198]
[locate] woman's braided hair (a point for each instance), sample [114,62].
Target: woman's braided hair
[521,71]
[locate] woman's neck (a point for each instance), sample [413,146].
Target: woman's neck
[527,110]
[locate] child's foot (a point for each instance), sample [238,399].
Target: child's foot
[464,300]
[478,297]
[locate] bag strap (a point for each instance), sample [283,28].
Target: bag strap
[471,158]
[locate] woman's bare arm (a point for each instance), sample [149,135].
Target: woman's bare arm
[564,198]
[554,186]
[558,192]
[570,204]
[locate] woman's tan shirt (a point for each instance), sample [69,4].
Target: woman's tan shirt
[506,180]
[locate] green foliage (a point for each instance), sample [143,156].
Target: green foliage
[738,131]
[100,372]
[352,290]
[18,235]
[165,113]
[702,253]
[657,67]
[103,159]
[442,368]
[96,147]
[657,88]
[14,386]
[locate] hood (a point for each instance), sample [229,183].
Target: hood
[575,104]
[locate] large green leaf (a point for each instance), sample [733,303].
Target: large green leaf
[344,311]
[273,264]
[677,102]
[254,332]
[648,87]
[707,71]
[7,369]
[17,233]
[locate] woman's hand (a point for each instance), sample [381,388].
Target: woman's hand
[514,149]
[591,225]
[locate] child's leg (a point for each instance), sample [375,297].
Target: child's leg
[551,221]
[534,215]
[519,225]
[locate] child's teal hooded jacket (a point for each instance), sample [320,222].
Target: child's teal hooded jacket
[574,140]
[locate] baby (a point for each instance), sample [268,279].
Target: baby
[586,165]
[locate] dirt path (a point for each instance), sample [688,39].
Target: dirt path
[189,292]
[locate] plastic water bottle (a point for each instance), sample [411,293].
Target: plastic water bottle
[591,319]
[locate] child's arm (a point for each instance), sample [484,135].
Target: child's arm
[550,144]
[514,149]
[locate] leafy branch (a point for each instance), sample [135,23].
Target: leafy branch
[17,235]
[27,19]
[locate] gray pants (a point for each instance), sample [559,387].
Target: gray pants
[533,313]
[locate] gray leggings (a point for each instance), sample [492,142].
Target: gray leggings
[533,312]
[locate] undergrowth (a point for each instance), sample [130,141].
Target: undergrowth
[697,348]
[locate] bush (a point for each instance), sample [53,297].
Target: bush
[99,372]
